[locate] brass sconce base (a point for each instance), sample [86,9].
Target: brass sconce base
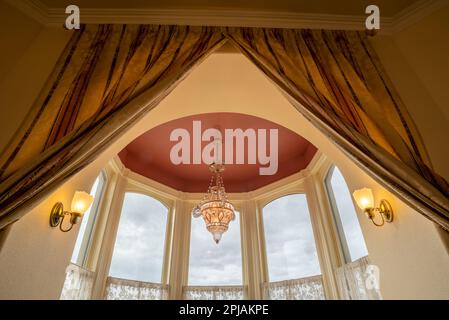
[56,214]
[386,210]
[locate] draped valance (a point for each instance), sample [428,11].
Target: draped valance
[110,76]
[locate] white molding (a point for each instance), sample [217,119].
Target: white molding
[217,17]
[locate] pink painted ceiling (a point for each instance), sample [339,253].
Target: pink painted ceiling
[149,155]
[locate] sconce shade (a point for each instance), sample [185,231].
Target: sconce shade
[81,202]
[364,198]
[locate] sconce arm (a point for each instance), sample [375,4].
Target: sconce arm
[66,213]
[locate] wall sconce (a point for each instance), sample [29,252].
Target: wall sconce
[80,204]
[365,200]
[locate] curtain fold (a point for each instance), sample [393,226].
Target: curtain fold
[110,76]
[335,80]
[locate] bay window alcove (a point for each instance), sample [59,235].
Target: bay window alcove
[295,234]
[152,248]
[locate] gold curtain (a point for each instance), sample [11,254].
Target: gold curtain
[110,76]
[336,81]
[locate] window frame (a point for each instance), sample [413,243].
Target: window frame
[89,232]
[262,205]
[168,228]
[336,218]
[238,208]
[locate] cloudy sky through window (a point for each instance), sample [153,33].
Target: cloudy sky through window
[139,248]
[345,211]
[291,250]
[211,263]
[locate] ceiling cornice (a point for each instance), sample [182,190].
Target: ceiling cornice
[414,13]
[56,16]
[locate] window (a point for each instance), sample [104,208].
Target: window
[139,247]
[211,263]
[84,239]
[290,244]
[351,236]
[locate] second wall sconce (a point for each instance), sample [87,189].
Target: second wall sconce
[80,204]
[365,200]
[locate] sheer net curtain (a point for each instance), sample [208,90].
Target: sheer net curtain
[310,288]
[355,281]
[123,289]
[78,283]
[213,293]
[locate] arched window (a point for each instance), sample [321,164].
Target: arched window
[85,234]
[290,244]
[211,263]
[139,247]
[350,233]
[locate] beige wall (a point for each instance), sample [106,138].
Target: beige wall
[411,257]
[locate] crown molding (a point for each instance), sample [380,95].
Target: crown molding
[415,12]
[56,16]
[214,17]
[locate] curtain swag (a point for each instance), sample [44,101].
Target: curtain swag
[110,76]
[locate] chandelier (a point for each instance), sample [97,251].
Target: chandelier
[215,208]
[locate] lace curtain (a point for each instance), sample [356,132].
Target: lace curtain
[213,292]
[122,289]
[310,288]
[78,283]
[358,280]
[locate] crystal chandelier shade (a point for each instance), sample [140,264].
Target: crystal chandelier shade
[215,208]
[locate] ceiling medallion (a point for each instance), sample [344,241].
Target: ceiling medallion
[215,208]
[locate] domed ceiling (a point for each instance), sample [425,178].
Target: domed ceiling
[149,154]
